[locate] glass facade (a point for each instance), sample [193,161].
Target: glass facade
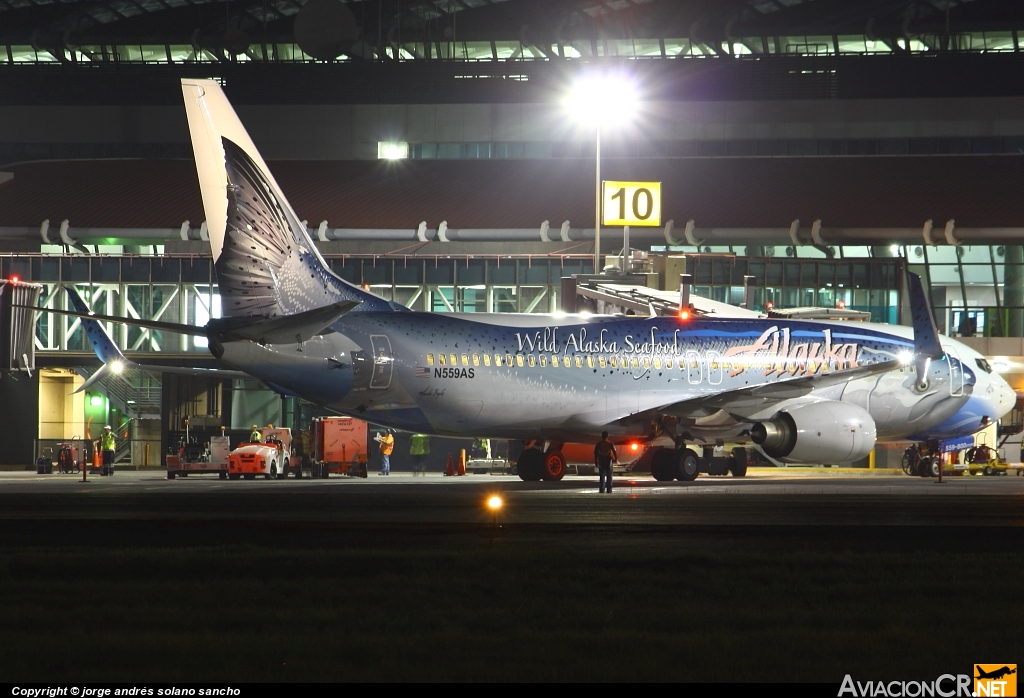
[482,51]
[975,290]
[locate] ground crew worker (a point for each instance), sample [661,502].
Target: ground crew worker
[387,445]
[604,454]
[107,445]
[255,436]
[419,448]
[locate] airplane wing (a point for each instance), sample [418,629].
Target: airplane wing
[115,362]
[759,395]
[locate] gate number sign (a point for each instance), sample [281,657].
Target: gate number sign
[632,203]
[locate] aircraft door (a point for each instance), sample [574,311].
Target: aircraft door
[956,372]
[383,361]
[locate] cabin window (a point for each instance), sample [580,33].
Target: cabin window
[465,359]
[590,361]
[430,359]
[669,363]
[519,360]
[497,359]
[554,360]
[508,360]
[614,361]
[441,359]
[657,362]
[476,359]
[531,360]
[487,359]
[634,363]
[543,360]
[647,362]
[600,361]
[579,361]
[453,359]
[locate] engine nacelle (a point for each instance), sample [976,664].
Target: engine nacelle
[817,432]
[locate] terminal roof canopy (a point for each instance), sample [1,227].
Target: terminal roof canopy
[904,191]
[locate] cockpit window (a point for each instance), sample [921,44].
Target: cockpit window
[983,365]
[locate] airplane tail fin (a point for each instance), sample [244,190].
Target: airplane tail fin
[266,262]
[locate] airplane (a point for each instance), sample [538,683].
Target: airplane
[115,363]
[994,674]
[798,391]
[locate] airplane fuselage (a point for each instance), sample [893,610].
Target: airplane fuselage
[438,374]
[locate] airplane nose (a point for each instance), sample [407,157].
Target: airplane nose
[1003,398]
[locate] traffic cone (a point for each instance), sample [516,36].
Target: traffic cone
[450,470]
[462,462]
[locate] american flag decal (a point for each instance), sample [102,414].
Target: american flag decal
[422,372]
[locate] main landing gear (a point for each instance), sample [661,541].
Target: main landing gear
[685,465]
[535,464]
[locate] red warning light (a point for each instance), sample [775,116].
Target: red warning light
[15,278]
[769,305]
[841,305]
[684,314]
[634,447]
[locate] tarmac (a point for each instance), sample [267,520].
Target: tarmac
[43,508]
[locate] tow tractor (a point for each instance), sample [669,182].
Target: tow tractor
[191,458]
[271,458]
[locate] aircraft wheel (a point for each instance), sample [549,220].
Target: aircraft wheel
[663,465]
[530,465]
[689,466]
[739,462]
[554,466]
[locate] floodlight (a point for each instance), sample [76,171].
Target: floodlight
[603,98]
[116,366]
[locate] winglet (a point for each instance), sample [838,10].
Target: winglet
[99,340]
[926,334]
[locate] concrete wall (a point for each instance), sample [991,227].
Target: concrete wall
[319,132]
[61,412]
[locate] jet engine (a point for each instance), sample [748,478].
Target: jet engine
[817,432]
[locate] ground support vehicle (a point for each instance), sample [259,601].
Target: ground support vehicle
[271,458]
[685,464]
[983,460]
[488,466]
[340,446]
[558,458]
[193,459]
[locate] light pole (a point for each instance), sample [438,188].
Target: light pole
[597,99]
[597,203]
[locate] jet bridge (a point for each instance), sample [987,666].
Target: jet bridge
[17,325]
[609,296]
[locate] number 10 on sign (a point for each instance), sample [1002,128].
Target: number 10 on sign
[632,203]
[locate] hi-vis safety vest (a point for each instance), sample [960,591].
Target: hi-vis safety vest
[107,442]
[387,444]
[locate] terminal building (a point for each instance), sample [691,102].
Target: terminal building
[809,154]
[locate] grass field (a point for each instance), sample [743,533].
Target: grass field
[511,605]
